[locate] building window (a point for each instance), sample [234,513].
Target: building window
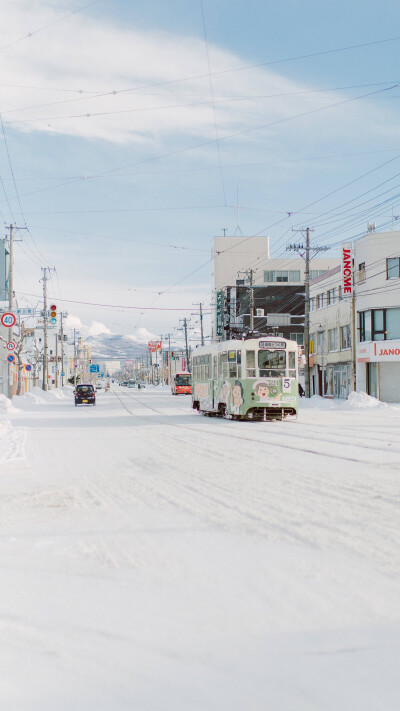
[393,268]
[331,297]
[298,337]
[333,338]
[361,273]
[365,326]
[378,322]
[312,303]
[269,276]
[320,301]
[282,276]
[295,275]
[313,274]
[345,337]
[321,342]
[392,324]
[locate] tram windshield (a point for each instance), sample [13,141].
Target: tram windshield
[183,379]
[271,364]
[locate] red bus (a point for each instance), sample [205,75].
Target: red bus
[181,384]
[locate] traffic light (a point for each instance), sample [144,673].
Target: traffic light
[53,314]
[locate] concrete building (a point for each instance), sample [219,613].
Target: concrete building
[377,284]
[282,279]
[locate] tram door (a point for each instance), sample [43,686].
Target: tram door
[214,380]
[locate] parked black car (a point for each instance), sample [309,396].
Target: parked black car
[85,395]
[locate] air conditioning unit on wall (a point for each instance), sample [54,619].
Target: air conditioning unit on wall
[259,312]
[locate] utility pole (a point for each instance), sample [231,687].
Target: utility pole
[185,329]
[11,303]
[75,364]
[304,251]
[62,350]
[56,362]
[45,379]
[201,322]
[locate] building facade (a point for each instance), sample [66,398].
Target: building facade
[377,284]
[331,337]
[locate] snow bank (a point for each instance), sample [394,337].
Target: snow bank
[6,406]
[37,396]
[359,401]
[355,401]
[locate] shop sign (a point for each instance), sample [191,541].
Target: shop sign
[379,352]
[347,269]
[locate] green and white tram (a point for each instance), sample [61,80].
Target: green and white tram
[254,379]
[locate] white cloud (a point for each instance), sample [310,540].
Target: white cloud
[85,54]
[96,328]
[142,335]
[73,322]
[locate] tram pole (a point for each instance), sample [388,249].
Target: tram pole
[304,251]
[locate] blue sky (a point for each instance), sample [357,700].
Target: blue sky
[132,141]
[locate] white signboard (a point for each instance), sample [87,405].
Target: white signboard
[378,352]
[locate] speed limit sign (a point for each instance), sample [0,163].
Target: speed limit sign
[10,346]
[8,320]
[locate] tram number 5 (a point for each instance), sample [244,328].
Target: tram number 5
[286,383]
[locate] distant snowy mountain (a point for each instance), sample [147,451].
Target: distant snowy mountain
[114,346]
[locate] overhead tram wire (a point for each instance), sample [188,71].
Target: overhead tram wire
[17,194]
[234,70]
[303,114]
[50,24]
[314,202]
[208,142]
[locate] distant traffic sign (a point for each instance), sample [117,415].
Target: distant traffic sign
[28,368]
[10,345]
[8,319]
[11,358]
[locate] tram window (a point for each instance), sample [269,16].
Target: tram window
[271,363]
[251,364]
[292,364]
[232,370]
[225,365]
[215,368]
[239,356]
[232,356]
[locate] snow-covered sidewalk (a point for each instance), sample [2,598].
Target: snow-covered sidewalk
[153,559]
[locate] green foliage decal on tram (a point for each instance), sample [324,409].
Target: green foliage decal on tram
[254,379]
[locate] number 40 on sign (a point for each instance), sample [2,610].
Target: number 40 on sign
[8,320]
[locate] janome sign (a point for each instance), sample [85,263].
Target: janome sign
[381,352]
[347,271]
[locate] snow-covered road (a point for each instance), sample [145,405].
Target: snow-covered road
[153,559]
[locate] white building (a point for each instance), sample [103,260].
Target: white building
[377,277]
[331,352]
[358,338]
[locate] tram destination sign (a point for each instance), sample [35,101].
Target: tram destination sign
[272,344]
